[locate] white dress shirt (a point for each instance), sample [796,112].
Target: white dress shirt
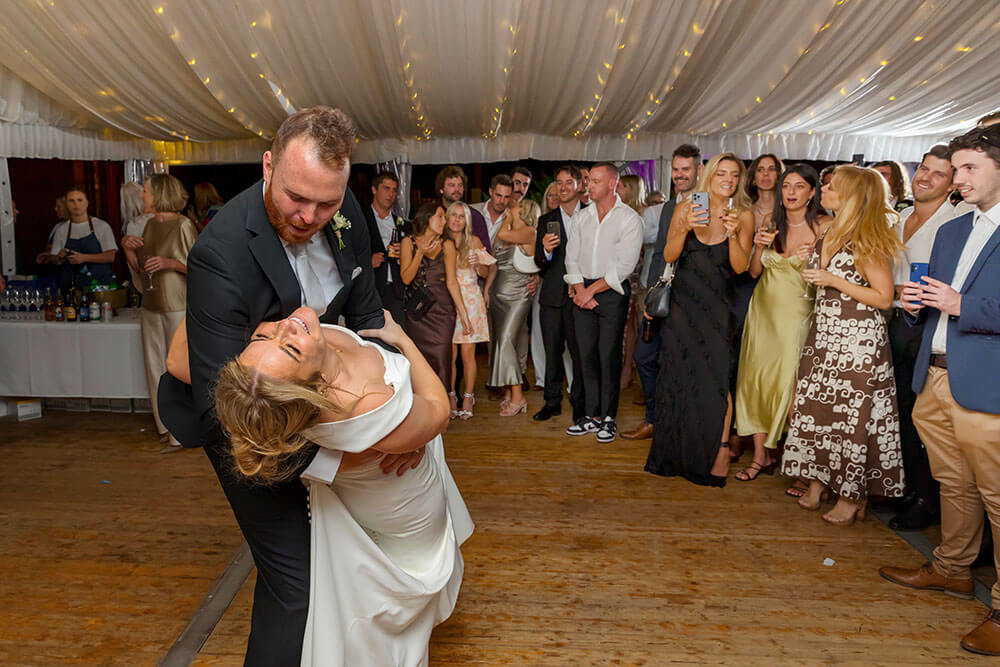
[567,221]
[607,248]
[983,227]
[325,464]
[918,248]
[492,226]
[386,226]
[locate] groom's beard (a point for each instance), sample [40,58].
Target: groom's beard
[282,223]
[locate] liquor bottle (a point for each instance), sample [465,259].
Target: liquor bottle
[50,306]
[84,314]
[60,313]
[69,310]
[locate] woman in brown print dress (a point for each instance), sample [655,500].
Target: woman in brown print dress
[844,433]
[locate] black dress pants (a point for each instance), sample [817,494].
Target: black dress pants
[599,334]
[559,333]
[904,341]
[275,523]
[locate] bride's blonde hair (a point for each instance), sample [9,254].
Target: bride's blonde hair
[264,417]
[864,220]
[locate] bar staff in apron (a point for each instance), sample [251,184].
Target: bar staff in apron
[83,242]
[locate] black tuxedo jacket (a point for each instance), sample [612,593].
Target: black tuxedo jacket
[239,276]
[389,266]
[554,289]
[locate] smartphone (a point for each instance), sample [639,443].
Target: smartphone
[552,227]
[858,159]
[918,270]
[700,199]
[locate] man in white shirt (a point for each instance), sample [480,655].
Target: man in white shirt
[494,209]
[82,245]
[917,229]
[957,411]
[603,249]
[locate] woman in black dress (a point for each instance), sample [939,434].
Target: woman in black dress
[426,258]
[693,402]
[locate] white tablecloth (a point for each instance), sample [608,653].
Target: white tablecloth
[73,359]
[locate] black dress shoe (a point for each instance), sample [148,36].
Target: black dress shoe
[897,505]
[547,412]
[917,516]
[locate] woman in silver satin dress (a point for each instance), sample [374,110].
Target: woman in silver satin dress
[510,303]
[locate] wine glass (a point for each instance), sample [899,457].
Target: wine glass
[141,257]
[812,264]
[729,210]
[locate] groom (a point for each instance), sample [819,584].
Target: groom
[296,238]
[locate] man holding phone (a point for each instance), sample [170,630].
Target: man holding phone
[555,311]
[685,168]
[957,411]
[918,225]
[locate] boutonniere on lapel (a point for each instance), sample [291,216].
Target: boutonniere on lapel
[338,224]
[399,223]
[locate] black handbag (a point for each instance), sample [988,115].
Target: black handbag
[658,297]
[417,297]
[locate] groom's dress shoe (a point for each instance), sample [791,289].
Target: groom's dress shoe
[926,578]
[985,639]
[917,516]
[547,412]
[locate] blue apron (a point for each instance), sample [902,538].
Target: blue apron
[72,275]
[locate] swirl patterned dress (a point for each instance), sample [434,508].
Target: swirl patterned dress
[845,424]
[475,307]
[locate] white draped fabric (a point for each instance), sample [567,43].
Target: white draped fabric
[479,80]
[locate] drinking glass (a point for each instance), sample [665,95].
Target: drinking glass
[813,263]
[729,210]
[142,256]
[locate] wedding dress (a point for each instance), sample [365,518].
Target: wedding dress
[385,560]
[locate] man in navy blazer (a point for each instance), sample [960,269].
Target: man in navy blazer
[957,411]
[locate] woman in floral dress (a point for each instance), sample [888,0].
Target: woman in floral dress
[844,433]
[473,262]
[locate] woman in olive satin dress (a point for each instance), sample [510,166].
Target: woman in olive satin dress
[778,316]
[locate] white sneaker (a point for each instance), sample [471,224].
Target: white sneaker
[608,431]
[584,426]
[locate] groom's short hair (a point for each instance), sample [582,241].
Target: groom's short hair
[331,130]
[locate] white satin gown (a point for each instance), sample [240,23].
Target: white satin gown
[386,564]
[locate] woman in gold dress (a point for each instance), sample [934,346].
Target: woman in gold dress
[778,317]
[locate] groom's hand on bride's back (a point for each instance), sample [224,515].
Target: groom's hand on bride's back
[400,463]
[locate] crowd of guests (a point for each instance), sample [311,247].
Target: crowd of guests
[814,317]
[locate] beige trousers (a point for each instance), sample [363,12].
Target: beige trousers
[964,451]
[157,332]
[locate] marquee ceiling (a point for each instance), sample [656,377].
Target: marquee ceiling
[468,80]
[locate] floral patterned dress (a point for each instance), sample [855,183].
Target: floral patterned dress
[845,425]
[475,307]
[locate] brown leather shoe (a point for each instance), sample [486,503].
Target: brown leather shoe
[985,639]
[643,431]
[926,578]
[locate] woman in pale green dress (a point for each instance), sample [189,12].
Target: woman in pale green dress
[778,318]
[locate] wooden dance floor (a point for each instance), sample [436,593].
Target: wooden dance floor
[107,550]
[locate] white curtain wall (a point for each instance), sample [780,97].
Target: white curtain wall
[481,80]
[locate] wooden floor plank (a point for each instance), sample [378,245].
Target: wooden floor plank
[579,558]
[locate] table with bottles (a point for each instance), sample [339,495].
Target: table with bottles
[88,358]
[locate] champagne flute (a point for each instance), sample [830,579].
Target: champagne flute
[141,257]
[812,264]
[729,210]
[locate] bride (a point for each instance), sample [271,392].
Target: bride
[385,562]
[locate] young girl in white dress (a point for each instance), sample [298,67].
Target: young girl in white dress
[385,561]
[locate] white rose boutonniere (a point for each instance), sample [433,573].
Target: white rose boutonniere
[339,223]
